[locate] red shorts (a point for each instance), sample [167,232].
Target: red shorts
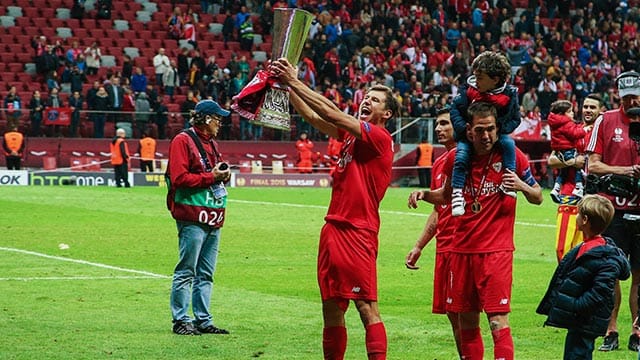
[440,283]
[480,282]
[347,263]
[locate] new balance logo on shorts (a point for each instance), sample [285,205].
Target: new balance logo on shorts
[356,289]
[504,301]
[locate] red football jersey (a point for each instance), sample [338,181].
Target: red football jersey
[444,230]
[490,229]
[361,177]
[610,139]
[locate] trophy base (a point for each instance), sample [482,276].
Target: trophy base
[273,119]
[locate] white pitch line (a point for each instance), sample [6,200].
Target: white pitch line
[35,278]
[381,211]
[83,262]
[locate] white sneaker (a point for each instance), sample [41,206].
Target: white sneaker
[579,190]
[555,192]
[457,203]
[511,193]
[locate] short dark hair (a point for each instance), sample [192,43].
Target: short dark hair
[481,109]
[595,97]
[391,102]
[444,110]
[493,64]
[561,106]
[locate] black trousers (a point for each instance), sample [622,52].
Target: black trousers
[13,162]
[146,165]
[121,172]
[424,176]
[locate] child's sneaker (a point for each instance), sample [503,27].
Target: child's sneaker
[555,192]
[579,190]
[457,202]
[511,193]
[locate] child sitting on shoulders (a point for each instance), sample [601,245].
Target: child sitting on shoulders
[491,72]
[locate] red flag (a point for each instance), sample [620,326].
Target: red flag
[57,116]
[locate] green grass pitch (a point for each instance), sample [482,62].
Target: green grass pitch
[107,295]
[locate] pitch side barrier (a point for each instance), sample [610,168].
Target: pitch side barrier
[89,178]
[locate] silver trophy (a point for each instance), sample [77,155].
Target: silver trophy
[291,28]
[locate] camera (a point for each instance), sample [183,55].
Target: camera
[223,166]
[613,184]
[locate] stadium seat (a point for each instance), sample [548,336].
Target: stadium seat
[39,22]
[24,57]
[47,13]
[7,38]
[15,67]
[120,25]
[22,21]
[215,28]
[54,4]
[139,43]
[185,44]
[143,16]
[40,4]
[14,11]
[30,12]
[80,33]
[30,68]
[132,52]
[56,23]
[96,33]
[166,8]
[150,7]
[73,24]
[108,61]
[259,56]
[63,13]
[89,5]
[7,21]
[128,15]
[64,32]
[154,44]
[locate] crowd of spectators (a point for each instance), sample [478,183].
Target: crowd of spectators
[421,49]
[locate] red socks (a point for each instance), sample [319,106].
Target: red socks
[376,341]
[502,344]
[471,344]
[334,342]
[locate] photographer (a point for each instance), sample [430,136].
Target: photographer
[613,149]
[197,199]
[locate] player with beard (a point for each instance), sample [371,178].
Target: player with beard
[439,225]
[481,254]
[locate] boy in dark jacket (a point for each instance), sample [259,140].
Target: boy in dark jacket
[580,294]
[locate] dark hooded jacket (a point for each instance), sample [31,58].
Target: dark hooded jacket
[580,294]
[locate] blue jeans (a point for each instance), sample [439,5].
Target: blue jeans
[193,275]
[578,346]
